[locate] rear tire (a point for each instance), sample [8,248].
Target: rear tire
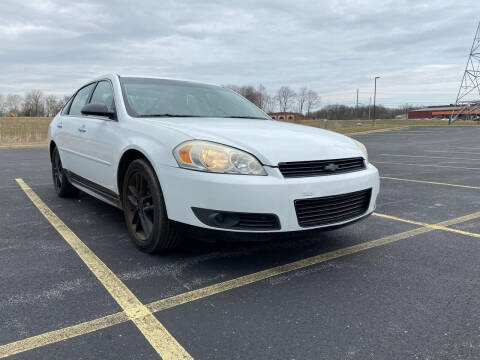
[144,209]
[62,186]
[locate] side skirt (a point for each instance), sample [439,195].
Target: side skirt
[94,189]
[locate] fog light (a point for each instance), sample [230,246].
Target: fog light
[218,218]
[225,219]
[237,220]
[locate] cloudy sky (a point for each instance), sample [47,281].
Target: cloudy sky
[418,48]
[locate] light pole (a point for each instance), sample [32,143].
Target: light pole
[374,100]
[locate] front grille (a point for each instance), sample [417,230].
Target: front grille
[321,167]
[332,209]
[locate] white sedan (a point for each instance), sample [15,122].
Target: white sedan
[181,156]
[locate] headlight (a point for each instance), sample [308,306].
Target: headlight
[363,148]
[213,157]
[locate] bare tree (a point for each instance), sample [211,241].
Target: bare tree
[406,108]
[248,92]
[251,94]
[13,103]
[301,99]
[343,112]
[312,100]
[262,97]
[285,97]
[270,104]
[258,96]
[3,105]
[33,104]
[52,105]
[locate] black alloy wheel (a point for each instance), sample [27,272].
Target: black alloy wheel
[62,186]
[57,170]
[140,206]
[144,208]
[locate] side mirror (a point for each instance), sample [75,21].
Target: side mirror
[98,110]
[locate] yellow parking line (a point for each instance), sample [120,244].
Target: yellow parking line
[156,334]
[433,226]
[376,131]
[401,219]
[262,275]
[460,219]
[430,182]
[66,333]
[163,304]
[430,157]
[425,165]
[193,295]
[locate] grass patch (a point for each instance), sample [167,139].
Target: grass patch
[23,130]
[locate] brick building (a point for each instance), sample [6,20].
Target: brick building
[443,111]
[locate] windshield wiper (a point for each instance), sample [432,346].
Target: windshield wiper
[245,117]
[168,115]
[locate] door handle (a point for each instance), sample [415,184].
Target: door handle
[82,129]
[59,125]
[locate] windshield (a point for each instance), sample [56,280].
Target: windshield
[171,98]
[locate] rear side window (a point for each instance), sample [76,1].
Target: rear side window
[103,94]
[80,100]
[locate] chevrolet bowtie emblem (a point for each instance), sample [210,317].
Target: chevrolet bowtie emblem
[330,167]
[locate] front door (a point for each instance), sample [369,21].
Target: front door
[99,136]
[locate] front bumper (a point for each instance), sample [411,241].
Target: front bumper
[272,194]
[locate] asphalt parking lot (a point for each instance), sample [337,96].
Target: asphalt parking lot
[403,284]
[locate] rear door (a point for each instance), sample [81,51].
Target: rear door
[71,143]
[60,132]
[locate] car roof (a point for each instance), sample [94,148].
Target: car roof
[155,77]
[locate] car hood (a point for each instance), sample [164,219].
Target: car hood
[269,140]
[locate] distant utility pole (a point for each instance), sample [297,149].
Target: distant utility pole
[369,104]
[356,108]
[374,100]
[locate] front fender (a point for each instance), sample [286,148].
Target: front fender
[157,151]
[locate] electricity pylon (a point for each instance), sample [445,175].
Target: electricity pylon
[468,97]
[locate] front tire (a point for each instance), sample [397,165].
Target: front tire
[62,186]
[144,209]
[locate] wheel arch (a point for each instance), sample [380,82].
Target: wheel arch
[127,157]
